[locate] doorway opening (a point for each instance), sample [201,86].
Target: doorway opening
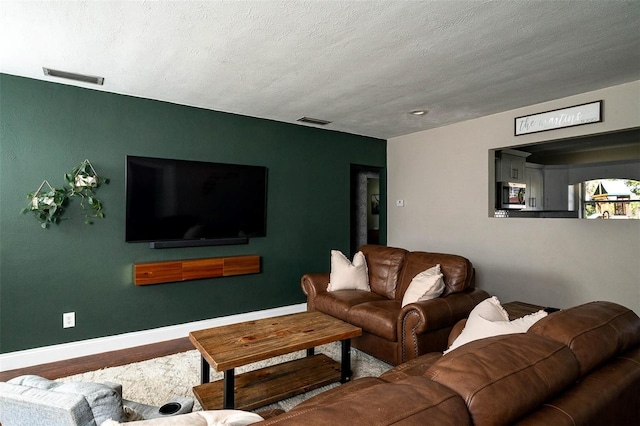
[367,201]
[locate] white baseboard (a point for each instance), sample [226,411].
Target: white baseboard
[47,354]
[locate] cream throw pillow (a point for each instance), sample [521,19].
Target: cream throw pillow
[346,275]
[488,319]
[199,418]
[426,285]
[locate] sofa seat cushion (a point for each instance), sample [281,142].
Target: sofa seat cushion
[377,317]
[595,331]
[338,303]
[504,377]
[415,401]
[340,392]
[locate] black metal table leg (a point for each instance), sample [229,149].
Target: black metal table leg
[228,393]
[311,351]
[205,369]
[345,369]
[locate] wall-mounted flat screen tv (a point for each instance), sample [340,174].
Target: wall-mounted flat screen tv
[181,203]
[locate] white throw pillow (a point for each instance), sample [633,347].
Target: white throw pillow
[199,418]
[346,275]
[490,309]
[426,285]
[488,319]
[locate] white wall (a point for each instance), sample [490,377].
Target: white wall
[443,177]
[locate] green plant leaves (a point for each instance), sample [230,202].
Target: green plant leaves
[82,181]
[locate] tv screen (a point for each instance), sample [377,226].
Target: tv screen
[180,200]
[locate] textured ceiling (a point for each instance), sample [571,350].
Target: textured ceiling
[361,64]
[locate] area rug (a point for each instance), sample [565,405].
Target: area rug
[158,380]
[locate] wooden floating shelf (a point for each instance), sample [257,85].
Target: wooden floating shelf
[194,269]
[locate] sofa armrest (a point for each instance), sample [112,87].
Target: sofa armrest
[432,315]
[455,332]
[312,285]
[443,311]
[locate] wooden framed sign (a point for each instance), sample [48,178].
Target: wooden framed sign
[559,118]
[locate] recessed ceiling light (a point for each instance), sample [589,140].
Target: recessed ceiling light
[313,121]
[73,76]
[418,112]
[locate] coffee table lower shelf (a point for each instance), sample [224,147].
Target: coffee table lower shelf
[258,388]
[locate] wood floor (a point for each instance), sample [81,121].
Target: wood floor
[79,365]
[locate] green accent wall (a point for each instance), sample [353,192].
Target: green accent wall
[46,129]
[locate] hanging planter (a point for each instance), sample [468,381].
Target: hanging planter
[83,182]
[48,205]
[83,176]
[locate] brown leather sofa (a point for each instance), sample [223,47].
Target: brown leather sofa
[389,332]
[579,366]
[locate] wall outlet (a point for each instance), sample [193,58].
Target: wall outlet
[68,320]
[399,203]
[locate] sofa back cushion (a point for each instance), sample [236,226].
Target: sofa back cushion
[457,271]
[384,264]
[504,377]
[595,331]
[414,401]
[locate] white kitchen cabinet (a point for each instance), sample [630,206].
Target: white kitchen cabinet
[534,177]
[511,167]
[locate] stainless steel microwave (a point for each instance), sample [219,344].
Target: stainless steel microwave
[511,195]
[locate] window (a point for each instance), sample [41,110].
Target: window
[611,199]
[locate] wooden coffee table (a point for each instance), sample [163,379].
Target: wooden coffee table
[228,347]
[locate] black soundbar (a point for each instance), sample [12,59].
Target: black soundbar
[198,243]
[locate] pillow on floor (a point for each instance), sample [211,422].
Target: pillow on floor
[104,401]
[346,275]
[488,319]
[426,285]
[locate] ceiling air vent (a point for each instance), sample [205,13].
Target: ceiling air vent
[313,121]
[73,76]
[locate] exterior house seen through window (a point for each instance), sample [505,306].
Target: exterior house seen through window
[611,199]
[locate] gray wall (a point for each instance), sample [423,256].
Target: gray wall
[443,176]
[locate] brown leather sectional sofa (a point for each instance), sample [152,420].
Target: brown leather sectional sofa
[389,332]
[579,366]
